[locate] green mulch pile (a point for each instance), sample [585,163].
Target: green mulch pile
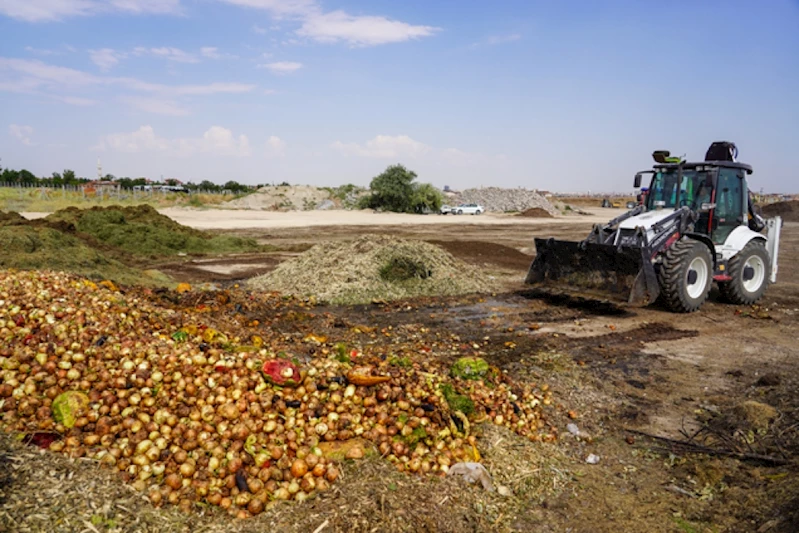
[106,242]
[142,231]
[35,248]
[374,268]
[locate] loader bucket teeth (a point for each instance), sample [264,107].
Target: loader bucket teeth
[622,274]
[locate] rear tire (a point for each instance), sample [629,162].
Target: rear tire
[750,270]
[686,275]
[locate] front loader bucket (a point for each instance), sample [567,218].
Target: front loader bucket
[622,274]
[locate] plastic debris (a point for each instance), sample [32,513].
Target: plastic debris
[472,472]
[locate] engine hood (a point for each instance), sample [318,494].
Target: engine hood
[646,220]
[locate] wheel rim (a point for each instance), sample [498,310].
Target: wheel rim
[759,273]
[696,277]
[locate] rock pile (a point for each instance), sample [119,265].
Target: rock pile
[503,200]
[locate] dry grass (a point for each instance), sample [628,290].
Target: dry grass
[50,200]
[46,492]
[371,268]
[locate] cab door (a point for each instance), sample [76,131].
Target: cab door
[730,209]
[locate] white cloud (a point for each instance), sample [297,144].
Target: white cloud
[43,51]
[163,7]
[281,67]
[275,146]
[497,39]
[210,52]
[215,141]
[259,30]
[158,106]
[74,100]
[338,26]
[360,30]
[221,141]
[105,58]
[384,146]
[279,8]
[44,73]
[167,52]
[49,10]
[37,75]
[23,133]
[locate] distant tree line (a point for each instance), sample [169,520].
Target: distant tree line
[68,177]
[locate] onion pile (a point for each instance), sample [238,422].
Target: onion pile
[185,420]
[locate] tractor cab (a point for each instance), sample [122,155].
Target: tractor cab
[716,191]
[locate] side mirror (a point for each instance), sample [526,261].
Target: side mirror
[637,181]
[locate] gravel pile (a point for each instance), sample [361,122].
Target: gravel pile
[503,200]
[373,267]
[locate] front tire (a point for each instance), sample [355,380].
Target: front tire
[686,275]
[750,270]
[460,211]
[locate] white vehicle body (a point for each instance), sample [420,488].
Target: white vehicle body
[735,242]
[468,209]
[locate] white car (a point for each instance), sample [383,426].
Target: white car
[468,209]
[445,209]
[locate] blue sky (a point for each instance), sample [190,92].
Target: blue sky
[565,96]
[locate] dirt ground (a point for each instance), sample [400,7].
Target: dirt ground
[658,397]
[630,374]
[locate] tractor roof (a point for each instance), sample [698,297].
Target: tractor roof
[725,164]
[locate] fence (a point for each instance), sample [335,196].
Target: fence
[104,192]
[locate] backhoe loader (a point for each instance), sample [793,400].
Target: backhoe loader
[696,225]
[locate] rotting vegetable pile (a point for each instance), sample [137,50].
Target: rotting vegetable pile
[193,399]
[373,267]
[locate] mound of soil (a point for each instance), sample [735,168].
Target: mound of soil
[11,217]
[373,267]
[789,211]
[282,198]
[535,212]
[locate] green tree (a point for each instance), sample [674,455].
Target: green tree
[235,186]
[69,177]
[426,198]
[9,175]
[392,190]
[206,185]
[395,190]
[26,176]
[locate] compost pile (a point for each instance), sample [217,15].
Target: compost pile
[191,398]
[105,242]
[142,231]
[535,212]
[789,211]
[373,267]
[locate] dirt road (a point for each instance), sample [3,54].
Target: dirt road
[251,219]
